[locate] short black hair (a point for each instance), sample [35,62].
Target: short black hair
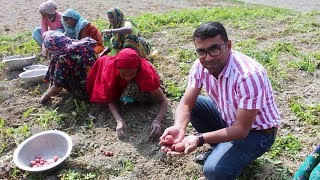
[210,30]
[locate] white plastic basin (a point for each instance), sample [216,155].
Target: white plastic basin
[18,62]
[33,67]
[46,144]
[33,76]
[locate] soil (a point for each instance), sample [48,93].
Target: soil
[150,162]
[25,16]
[297,5]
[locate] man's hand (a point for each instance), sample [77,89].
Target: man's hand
[171,136]
[186,146]
[176,133]
[155,130]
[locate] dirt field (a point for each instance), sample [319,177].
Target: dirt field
[297,5]
[24,15]
[149,162]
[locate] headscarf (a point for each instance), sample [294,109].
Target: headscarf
[118,16]
[48,7]
[104,83]
[73,32]
[58,43]
[128,59]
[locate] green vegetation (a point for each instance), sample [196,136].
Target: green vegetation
[239,17]
[174,92]
[288,145]
[257,170]
[4,143]
[2,65]
[185,58]
[11,136]
[21,43]
[127,165]
[78,114]
[101,24]
[48,118]
[281,49]
[186,55]
[52,118]
[309,114]
[71,174]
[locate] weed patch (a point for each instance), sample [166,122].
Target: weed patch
[173,91]
[265,168]
[309,114]
[285,145]
[12,136]
[18,44]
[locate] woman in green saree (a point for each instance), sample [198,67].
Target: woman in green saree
[123,33]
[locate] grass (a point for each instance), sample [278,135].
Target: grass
[77,114]
[11,136]
[257,170]
[288,145]
[275,49]
[173,91]
[310,114]
[70,174]
[55,118]
[127,165]
[21,43]
[241,18]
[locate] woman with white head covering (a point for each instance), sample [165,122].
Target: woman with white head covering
[51,20]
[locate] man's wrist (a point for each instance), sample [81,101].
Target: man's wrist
[200,139]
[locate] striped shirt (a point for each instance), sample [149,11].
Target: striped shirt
[243,83]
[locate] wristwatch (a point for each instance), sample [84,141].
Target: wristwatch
[201,139]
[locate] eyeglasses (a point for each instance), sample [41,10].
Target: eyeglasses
[214,50]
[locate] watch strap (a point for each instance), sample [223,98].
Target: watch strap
[201,139]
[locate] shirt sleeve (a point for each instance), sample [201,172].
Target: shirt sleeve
[195,75]
[252,91]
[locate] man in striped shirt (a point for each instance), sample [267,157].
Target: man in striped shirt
[239,118]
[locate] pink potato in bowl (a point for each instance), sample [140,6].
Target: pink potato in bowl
[46,146]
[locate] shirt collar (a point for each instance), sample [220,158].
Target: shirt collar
[227,68]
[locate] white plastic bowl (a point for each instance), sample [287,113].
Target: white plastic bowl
[46,144]
[18,62]
[33,67]
[33,76]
